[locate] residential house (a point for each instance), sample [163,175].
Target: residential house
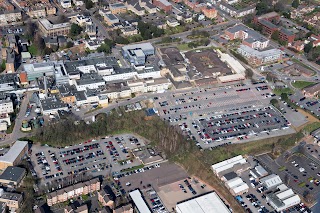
[312,91]
[117,8]
[163,5]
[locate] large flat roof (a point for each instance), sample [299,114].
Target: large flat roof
[49,26]
[208,203]
[12,173]
[139,202]
[14,151]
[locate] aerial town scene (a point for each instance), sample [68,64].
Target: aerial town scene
[160,106]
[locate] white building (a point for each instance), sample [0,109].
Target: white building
[271,181]
[227,164]
[139,202]
[283,198]
[237,186]
[83,20]
[260,57]
[208,203]
[66,3]
[6,106]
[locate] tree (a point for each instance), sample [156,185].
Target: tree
[30,30]
[295,3]
[89,4]
[3,65]
[39,43]
[69,44]
[308,47]
[279,6]
[121,40]
[249,73]
[284,96]
[104,48]
[75,30]
[275,35]
[287,15]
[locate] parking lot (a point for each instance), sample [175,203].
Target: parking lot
[97,157]
[312,105]
[297,171]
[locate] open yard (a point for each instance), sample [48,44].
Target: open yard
[302,84]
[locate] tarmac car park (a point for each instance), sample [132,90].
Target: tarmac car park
[100,157]
[312,105]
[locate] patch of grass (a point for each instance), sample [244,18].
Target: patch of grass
[311,127]
[282,168]
[33,50]
[10,128]
[302,84]
[282,90]
[133,168]
[183,47]
[302,184]
[85,197]
[310,178]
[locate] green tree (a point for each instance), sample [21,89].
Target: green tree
[3,65]
[279,6]
[89,4]
[295,3]
[104,48]
[284,96]
[274,102]
[75,30]
[121,40]
[275,35]
[308,47]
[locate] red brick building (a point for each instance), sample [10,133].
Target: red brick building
[6,5]
[163,5]
[268,23]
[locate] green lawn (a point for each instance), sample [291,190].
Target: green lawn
[283,90]
[183,47]
[33,50]
[302,84]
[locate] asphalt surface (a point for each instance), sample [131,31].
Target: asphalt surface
[99,163]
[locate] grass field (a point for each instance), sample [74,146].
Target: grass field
[283,90]
[302,84]
[302,64]
[183,47]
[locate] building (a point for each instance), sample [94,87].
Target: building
[163,5]
[267,21]
[73,209]
[89,81]
[207,203]
[129,31]
[117,8]
[76,190]
[15,154]
[271,181]
[171,22]
[258,172]
[7,17]
[12,176]
[312,91]
[110,19]
[66,3]
[140,204]
[105,197]
[13,200]
[124,209]
[237,186]
[235,12]
[297,45]
[282,198]
[49,29]
[50,10]
[37,11]
[52,105]
[137,54]
[249,37]
[209,12]
[6,5]
[10,61]
[218,168]
[256,58]
[6,106]
[150,8]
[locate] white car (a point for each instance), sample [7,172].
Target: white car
[128,184]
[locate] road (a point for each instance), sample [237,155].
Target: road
[16,133]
